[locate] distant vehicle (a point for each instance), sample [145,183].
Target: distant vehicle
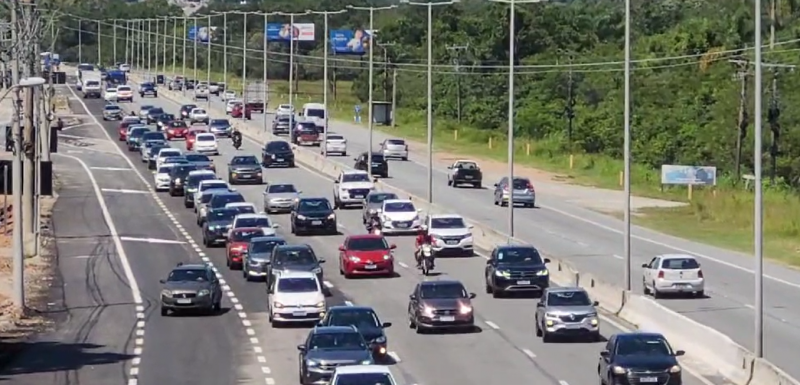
[317,114]
[110,94]
[186,109]
[313,215]
[394,148]
[206,144]
[198,115]
[177,178]
[148,88]
[256,105]
[191,287]
[335,144]
[305,134]
[176,83]
[112,112]
[379,165]
[92,88]
[280,197]
[400,216]
[567,312]
[257,257]
[673,274]
[201,92]
[165,119]
[125,93]
[192,183]
[341,344]
[259,220]
[284,109]
[282,124]
[363,374]
[213,88]
[365,320]
[451,235]
[464,172]
[220,127]
[244,169]
[286,258]
[366,254]
[524,193]
[216,225]
[240,110]
[153,114]
[373,203]
[351,188]
[229,104]
[277,153]
[228,95]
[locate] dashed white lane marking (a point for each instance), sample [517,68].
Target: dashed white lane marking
[328,284]
[261,359]
[134,372]
[133,381]
[258,349]
[403,265]
[266,370]
[238,307]
[562,382]
[242,315]
[492,325]
[246,323]
[250,332]
[529,353]
[348,303]
[254,340]
[394,356]
[269,381]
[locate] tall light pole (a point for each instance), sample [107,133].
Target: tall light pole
[430,87]
[265,58]
[224,46]
[150,47]
[114,43]
[164,45]
[99,42]
[244,55]
[626,173]
[174,45]
[208,60]
[758,226]
[325,75]
[372,43]
[196,36]
[183,65]
[291,51]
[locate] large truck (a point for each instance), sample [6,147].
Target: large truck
[92,85]
[117,77]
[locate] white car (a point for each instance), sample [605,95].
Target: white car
[110,94]
[295,296]
[124,93]
[162,177]
[284,109]
[400,216]
[229,104]
[165,153]
[242,207]
[335,144]
[206,143]
[205,185]
[256,220]
[350,188]
[131,119]
[369,374]
[451,234]
[673,274]
[228,95]
[125,67]
[198,115]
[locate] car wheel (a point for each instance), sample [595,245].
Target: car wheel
[476,185]
[450,183]
[218,306]
[420,329]
[497,294]
[700,294]
[489,288]
[656,294]
[186,204]
[206,243]
[164,312]
[405,158]
[645,290]
[546,337]
[538,329]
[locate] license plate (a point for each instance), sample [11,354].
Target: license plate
[452,242]
[370,267]
[245,176]
[184,301]
[573,326]
[468,177]
[447,318]
[358,196]
[299,314]
[523,282]
[648,379]
[316,222]
[402,225]
[279,160]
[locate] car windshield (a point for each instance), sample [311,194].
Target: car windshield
[569,298]
[278,146]
[398,142]
[177,124]
[219,122]
[467,166]
[521,184]
[215,185]
[145,107]
[221,215]
[155,149]
[399,207]
[364,379]
[254,222]
[164,170]
[112,108]
[335,137]
[519,255]
[197,158]
[194,180]
[377,158]
[443,290]
[281,189]
[360,318]
[208,194]
[244,209]
[448,223]
[264,246]
[337,341]
[246,235]
[302,256]
[315,113]
[205,138]
[220,200]
[154,136]
[284,118]
[679,264]
[137,132]
[186,275]
[245,160]
[199,111]
[297,285]
[189,107]
[119,89]
[175,159]
[379,198]
[359,177]
[314,205]
[168,153]
[154,111]
[367,244]
[639,345]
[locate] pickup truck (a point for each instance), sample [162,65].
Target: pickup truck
[201,92]
[213,88]
[256,105]
[305,134]
[464,172]
[148,88]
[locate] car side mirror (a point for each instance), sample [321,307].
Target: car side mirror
[449,167]
[386,325]
[539,304]
[470,227]
[392,246]
[322,261]
[335,181]
[374,180]
[596,303]
[419,210]
[547,260]
[276,226]
[644,265]
[495,185]
[604,354]
[355,159]
[301,348]
[679,353]
[472,295]
[341,248]
[412,297]
[268,262]
[489,262]
[162,281]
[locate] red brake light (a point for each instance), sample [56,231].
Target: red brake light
[700,273]
[660,274]
[530,186]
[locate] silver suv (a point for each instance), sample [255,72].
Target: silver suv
[567,312]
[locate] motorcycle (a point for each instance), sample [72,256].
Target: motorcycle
[427,259]
[237,143]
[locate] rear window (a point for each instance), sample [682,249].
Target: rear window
[377,158]
[153,111]
[278,146]
[397,141]
[335,137]
[520,184]
[199,111]
[246,235]
[222,200]
[126,88]
[168,153]
[315,113]
[205,138]
[281,188]
[209,186]
[680,264]
[197,158]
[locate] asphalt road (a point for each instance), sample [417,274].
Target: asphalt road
[504,348]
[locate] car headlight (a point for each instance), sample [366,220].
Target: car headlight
[501,273]
[551,315]
[619,370]
[166,293]
[354,259]
[317,270]
[277,305]
[542,273]
[675,369]
[464,309]
[428,311]
[311,363]
[387,257]
[202,293]
[320,304]
[380,340]
[178,181]
[273,156]
[332,216]
[301,217]
[416,219]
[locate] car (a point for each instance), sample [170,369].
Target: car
[673,274]
[185,110]
[220,127]
[327,347]
[124,94]
[305,134]
[463,172]
[201,92]
[198,115]
[163,155]
[244,169]
[282,124]
[440,304]
[366,254]
[365,320]
[205,143]
[646,358]
[313,215]
[154,136]
[242,207]
[176,83]
[112,112]
[284,109]
[236,245]
[256,220]
[161,178]
[295,296]
[277,153]
[280,197]
[190,84]
[451,235]
[201,161]
[191,137]
[229,104]
[516,268]
[134,137]
[148,88]
[110,94]
[567,312]
[150,150]
[524,193]
[213,88]
[255,105]
[228,95]
[394,148]
[163,121]
[210,184]
[379,165]
[335,144]
[257,257]
[153,114]
[201,202]
[363,374]
[351,188]
[241,110]
[192,182]
[123,129]
[287,258]
[400,216]
[373,203]
[177,178]
[125,67]
[215,227]
[191,287]
[221,199]
[144,109]
[176,129]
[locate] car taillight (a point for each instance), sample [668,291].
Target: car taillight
[530,186]
[660,274]
[699,273]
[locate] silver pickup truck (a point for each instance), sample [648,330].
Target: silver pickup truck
[201,92]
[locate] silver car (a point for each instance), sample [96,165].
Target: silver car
[673,274]
[394,148]
[373,203]
[524,193]
[144,110]
[567,312]
[280,197]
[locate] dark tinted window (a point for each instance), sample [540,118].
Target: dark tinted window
[220,215]
[639,345]
[519,255]
[154,136]
[245,160]
[112,108]
[139,132]
[364,379]
[521,184]
[360,318]
[155,111]
[315,113]
[194,180]
[337,341]
[355,178]
[166,117]
[313,205]
[378,198]
[220,200]
[377,158]
[367,244]
[679,264]
[281,188]
[155,149]
[178,123]
[297,285]
[183,275]
[246,235]
[182,171]
[197,158]
[295,256]
[206,197]
[396,141]
[217,185]
[249,209]
[443,290]
[254,222]
[448,223]
[278,146]
[307,127]
[568,298]
[265,246]
[219,122]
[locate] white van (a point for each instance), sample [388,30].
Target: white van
[315,112]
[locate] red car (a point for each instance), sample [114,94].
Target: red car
[123,131]
[237,242]
[237,111]
[177,129]
[191,137]
[366,254]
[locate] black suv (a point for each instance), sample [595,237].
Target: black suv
[191,287]
[277,153]
[153,114]
[186,109]
[514,268]
[379,164]
[216,225]
[313,214]
[365,320]
[164,120]
[326,345]
[177,178]
[190,187]
[293,258]
[148,89]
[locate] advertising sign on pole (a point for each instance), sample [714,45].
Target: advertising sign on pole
[286,32]
[688,175]
[349,42]
[202,34]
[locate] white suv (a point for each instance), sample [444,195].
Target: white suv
[351,188]
[400,216]
[362,374]
[450,233]
[165,153]
[206,144]
[295,296]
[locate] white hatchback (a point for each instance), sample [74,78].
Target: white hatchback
[162,177]
[110,94]
[230,104]
[296,296]
[206,143]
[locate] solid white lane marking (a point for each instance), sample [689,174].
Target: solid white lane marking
[562,382]
[327,284]
[238,307]
[617,256]
[529,353]
[269,381]
[140,315]
[152,240]
[140,332]
[110,168]
[136,360]
[492,325]
[403,265]
[242,314]
[124,191]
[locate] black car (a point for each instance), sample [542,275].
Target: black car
[639,358]
[191,287]
[277,153]
[257,258]
[136,138]
[153,114]
[515,268]
[164,120]
[293,258]
[216,225]
[365,320]
[326,348]
[190,83]
[220,199]
[465,172]
[313,214]
[186,109]
[244,169]
[190,187]
[379,164]
[177,178]
[148,89]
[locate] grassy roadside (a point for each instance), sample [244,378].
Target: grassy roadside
[723,217]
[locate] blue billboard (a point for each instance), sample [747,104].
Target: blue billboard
[202,34]
[295,32]
[349,42]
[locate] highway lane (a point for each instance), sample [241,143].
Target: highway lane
[593,242]
[508,353]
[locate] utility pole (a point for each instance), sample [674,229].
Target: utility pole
[394,95]
[742,74]
[16,168]
[164,47]
[80,41]
[174,45]
[457,63]
[773,115]
[569,110]
[28,140]
[114,43]
[99,43]
[386,64]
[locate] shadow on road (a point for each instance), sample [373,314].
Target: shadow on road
[49,356]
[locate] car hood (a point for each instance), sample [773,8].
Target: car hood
[245,167]
[401,216]
[357,185]
[450,232]
[521,266]
[296,267]
[268,231]
[339,356]
[646,362]
[299,299]
[225,223]
[445,303]
[187,285]
[371,256]
[566,310]
[283,195]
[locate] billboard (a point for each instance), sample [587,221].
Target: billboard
[202,34]
[285,32]
[688,175]
[348,42]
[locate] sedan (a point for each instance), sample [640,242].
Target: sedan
[177,129]
[366,254]
[280,197]
[244,169]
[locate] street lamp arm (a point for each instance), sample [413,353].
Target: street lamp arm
[415,3]
[371,8]
[326,12]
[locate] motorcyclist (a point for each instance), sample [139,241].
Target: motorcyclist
[423,238]
[236,137]
[374,223]
[133,113]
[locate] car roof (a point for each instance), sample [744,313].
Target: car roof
[442,281]
[171,149]
[214,181]
[191,266]
[640,333]
[345,307]
[251,216]
[354,172]
[564,289]
[201,172]
[241,229]
[214,191]
[239,204]
[365,236]
[446,216]
[356,369]
[397,201]
[297,274]
[334,329]
[295,246]
[506,247]
[267,239]
[677,256]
